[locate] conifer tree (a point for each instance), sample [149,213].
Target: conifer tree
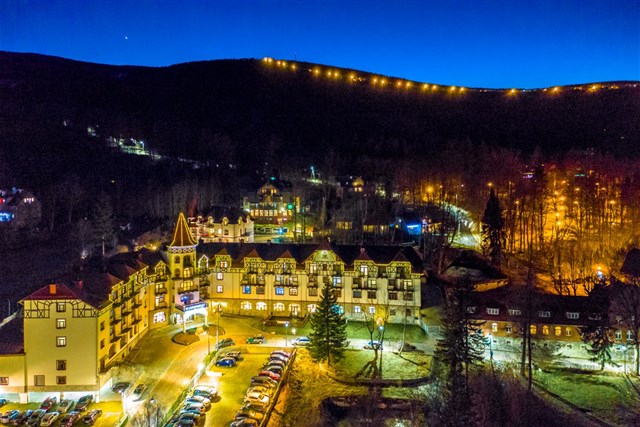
[461,347]
[597,334]
[329,329]
[103,221]
[493,236]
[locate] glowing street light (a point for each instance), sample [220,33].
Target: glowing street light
[286,334]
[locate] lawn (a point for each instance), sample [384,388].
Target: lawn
[406,366]
[608,396]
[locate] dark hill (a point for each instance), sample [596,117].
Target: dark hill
[246,111]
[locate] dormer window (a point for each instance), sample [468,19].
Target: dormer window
[573,315]
[493,311]
[544,314]
[514,312]
[471,310]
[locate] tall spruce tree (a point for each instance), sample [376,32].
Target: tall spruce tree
[461,347]
[329,329]
[597,333]
[103,221]
[493,235]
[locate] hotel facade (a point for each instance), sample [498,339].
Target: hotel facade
[71,333]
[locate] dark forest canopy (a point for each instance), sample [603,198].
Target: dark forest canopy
[248,112]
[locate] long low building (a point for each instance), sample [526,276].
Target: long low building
[73,331]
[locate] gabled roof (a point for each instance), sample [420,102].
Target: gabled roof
[182,235]
[54,291]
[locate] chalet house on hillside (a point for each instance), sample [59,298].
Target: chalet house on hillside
[19,207]
[222,224]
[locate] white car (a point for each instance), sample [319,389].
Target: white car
[198,399]
[205,391]
[49,418]
[257,398]
[260,389]
[301,341]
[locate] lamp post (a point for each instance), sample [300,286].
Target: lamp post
[218,308]
[624,351]
[490,351]
[286,334]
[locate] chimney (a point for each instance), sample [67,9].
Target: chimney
[52,289]
[80,283]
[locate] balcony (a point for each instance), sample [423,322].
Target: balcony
[160,305]
[358,282]
[184,290]
[137,304]
[161,290]
[160,278]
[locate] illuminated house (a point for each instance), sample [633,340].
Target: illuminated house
[222,225]
[273,204]
[19,207]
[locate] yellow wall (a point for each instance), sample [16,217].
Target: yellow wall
[12,366]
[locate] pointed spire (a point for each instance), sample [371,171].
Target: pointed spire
[182,235]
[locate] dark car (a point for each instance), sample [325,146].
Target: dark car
[272,375]
[234,354]
[227,362]
[70,419]
[83,402]
[274,368]
[120,387]
[254,407]
[205,391]
[35,417]
[258,339]
[225,342]
[21,418]
[9,415]
[276,362]
[49,403]
[278,357]
[263,380]
[92,416]
[281,353]
[245,422]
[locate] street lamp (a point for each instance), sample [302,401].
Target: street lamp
[381,334]
[490,351]
[286,334]
[218,309]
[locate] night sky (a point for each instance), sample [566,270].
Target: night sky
[495,44]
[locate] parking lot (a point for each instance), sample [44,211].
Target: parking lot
[111,412]
[232,383]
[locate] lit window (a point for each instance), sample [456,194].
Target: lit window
[220,289]
[493,311]
[545,330]
[494,327]
[372,309]
[364,269]
[245,305]
[618,335]
[280,290]
[337,281]
[629,335]
[311,308]
[220,276]
[357,309]
[293,291]
[62,323]
[558,330]
[261,306]
[246,289]
[514,312]
[573,315]
[568,332]
[313,268]
[533,329]
[544,314]
[61,341]
[508,328]
[294,309]
[278,306]
[159,317]
[61,307]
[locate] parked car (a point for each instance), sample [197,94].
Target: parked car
[279,357]
[234,354]
[198,399]
[84,402]
[260,389]
[9,415]
[3,402]
[245,422]
[258,398]
[194,407]
[258,339]
[226,361]
[300,341]
[121,387]
[137,392]
[274,368]
[254,407]
[373,345]
[35,417]
[69,419]
[49,403]
[272,375]
[281,353]
[263,380]
[224,342]
[49,418]
[205,391]
[21,418]
[92,416]
[65,406]
[276,362]
[258,416]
